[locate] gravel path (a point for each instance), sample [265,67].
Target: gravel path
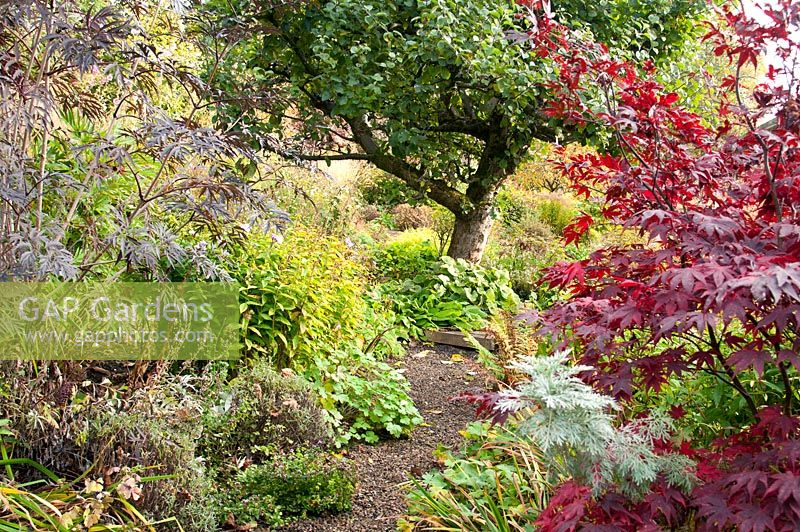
[436,375]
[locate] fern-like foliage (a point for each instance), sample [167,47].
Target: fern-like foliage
[577,430]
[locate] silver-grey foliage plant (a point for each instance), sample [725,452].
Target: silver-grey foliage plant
[576,428]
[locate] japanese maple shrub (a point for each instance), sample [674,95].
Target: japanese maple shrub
[716,290]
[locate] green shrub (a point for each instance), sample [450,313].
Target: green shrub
[442,226]
[303,308]
[262,408]
[293,485]
[299,297]
[385,190]
[406,257]
[512,204]
[524,248]
[385,221]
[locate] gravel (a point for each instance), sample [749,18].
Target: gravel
[436,376]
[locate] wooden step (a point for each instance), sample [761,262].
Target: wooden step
[456,338]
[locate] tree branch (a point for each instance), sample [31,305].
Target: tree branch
[436,189]
[735,382]
[336,157]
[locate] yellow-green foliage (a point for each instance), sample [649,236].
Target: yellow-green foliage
[407,255]
[541,173]
[556,210]
[299,296]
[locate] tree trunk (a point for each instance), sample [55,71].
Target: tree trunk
[470,233]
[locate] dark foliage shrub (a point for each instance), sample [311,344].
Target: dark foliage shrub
[747,482]
[94,116]
[713,290]
[71,424]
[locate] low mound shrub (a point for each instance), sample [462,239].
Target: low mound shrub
[259,409]
[410,217]
[293,485]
